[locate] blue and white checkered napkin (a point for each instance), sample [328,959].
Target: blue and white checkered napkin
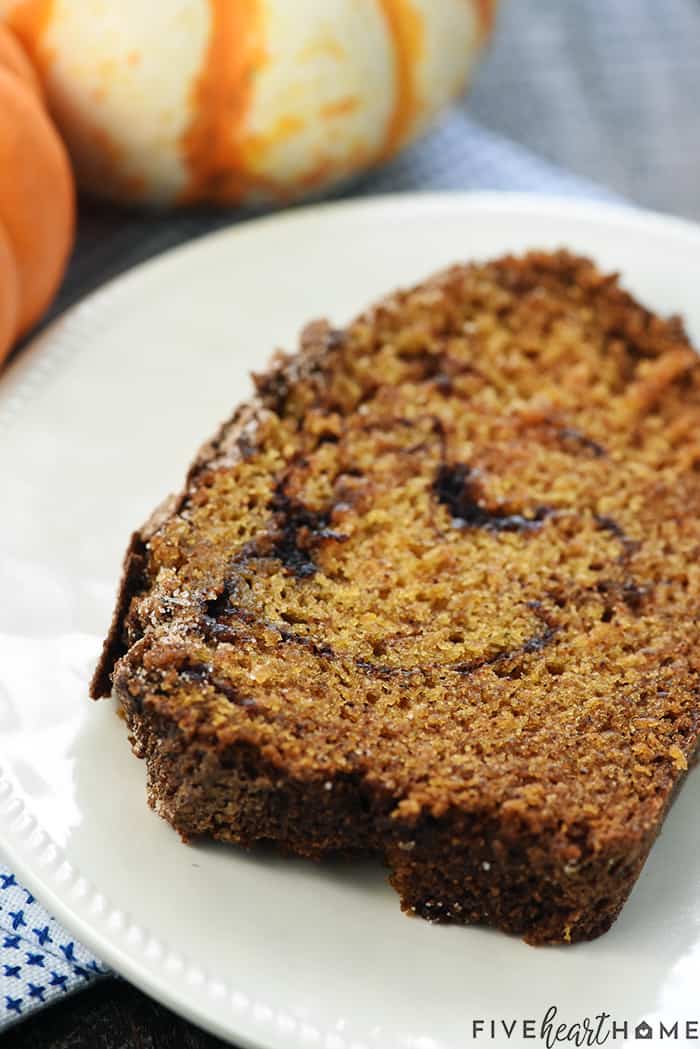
[39,961]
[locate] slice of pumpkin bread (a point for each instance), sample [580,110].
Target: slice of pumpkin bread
[434,593]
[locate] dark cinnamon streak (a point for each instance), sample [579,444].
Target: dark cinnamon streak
[570,435]
[457,487]
[204,674]
[536,643]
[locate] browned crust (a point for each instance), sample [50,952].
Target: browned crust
[114,646]
[462,867]
[224,448]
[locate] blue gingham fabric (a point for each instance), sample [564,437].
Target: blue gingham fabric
[39,960]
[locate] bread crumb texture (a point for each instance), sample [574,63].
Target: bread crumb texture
[434,594]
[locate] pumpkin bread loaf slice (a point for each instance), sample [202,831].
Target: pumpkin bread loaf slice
[434,594]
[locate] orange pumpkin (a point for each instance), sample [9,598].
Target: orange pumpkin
[37,198]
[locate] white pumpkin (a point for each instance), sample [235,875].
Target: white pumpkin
[235,101]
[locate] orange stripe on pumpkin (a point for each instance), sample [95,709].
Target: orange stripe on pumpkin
[13,57]
[407,33]
[30,20]
[213,143]
[486,10]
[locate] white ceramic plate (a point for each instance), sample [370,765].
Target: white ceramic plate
[98,421]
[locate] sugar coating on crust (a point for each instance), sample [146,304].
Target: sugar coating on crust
[434,594]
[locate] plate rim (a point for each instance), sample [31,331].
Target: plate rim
[130,948]
[620,215]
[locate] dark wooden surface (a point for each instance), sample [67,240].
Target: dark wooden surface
[110,1015]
